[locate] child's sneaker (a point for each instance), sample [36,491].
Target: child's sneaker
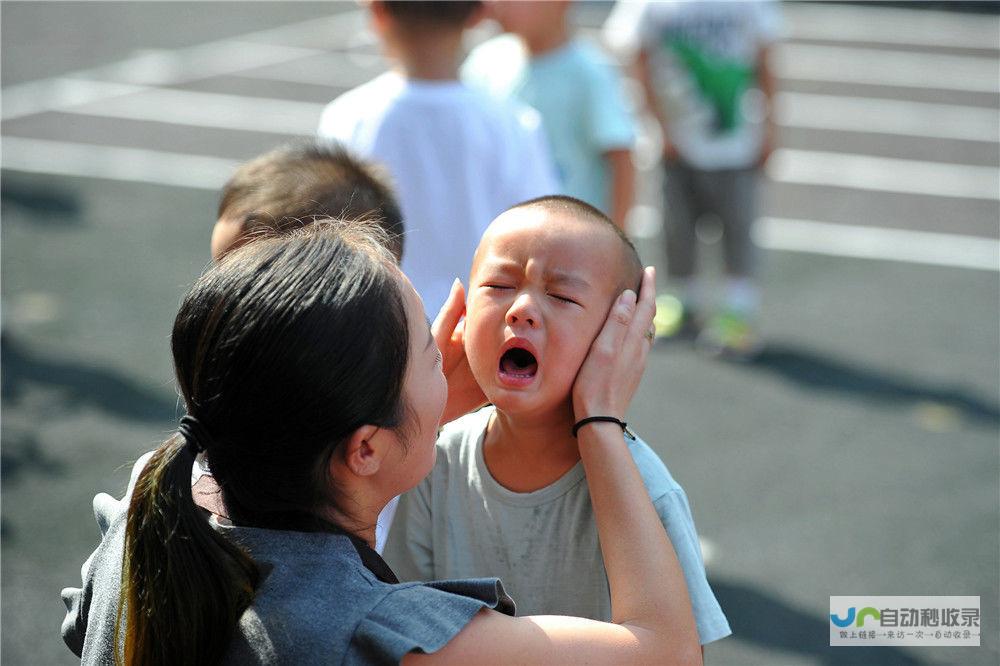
[731,335]
[673,321]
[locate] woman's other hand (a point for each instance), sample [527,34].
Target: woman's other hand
[613,368]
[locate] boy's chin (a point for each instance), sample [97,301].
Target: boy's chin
[516,404]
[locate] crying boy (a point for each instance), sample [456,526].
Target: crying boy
[508,496]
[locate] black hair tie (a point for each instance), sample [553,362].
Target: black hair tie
[604,419]
[194,433]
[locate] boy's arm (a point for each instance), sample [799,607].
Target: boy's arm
[622,183]
[612,132]
[768,85]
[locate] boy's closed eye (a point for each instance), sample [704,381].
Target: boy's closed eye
[493,286]
[565,299]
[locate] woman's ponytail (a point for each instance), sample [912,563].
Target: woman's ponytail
[184,586]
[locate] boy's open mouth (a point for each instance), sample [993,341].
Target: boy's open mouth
[518,366]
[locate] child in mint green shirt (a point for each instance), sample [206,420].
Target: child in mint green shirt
[578,92]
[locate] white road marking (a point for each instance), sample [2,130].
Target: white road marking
[325,69]
[887,116]
[842,64]
[884,174]
[141,71]
[839,240]
[884,25]
[115,163]
[172,67]
[842,240]
[210,173]
[58,93]
[204,109]
[324,33]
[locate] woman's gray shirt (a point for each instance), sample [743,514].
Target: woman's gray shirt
[317,603]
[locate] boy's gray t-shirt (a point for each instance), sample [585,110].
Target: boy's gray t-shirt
[459,522]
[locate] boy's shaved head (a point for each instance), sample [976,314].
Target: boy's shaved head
[291,186]
[545,275]
[631,266]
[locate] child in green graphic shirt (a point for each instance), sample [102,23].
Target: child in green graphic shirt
[703,66]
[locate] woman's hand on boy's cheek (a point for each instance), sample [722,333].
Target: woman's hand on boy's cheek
[447,329]
[611,373]
[464,393]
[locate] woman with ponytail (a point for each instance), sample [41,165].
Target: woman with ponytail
[314,389]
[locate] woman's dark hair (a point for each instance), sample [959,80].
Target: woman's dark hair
[281,350]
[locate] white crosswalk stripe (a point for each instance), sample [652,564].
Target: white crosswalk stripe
[885,25]
[905,69]
[279,45]
[870,115]
[884,174]
[116,163]
[812,111]
[152,68]
[324,69]
[840,240]
[58,94]
[203,109]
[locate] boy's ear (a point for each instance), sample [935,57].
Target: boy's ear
[227,234]
[364,450]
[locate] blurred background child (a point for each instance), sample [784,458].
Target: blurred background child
[457,157]
[578,91]
[293,185]
[704,69]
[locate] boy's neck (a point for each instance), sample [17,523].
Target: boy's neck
[433,56]
[540,44]
[528,453]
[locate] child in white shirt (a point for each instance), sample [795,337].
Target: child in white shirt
[457,156]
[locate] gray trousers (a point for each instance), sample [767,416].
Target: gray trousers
[730,194]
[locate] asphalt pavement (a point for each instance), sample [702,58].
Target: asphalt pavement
[860,454]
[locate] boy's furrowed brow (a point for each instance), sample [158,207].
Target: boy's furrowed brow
[567,279]
[563,278]
[500,266]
